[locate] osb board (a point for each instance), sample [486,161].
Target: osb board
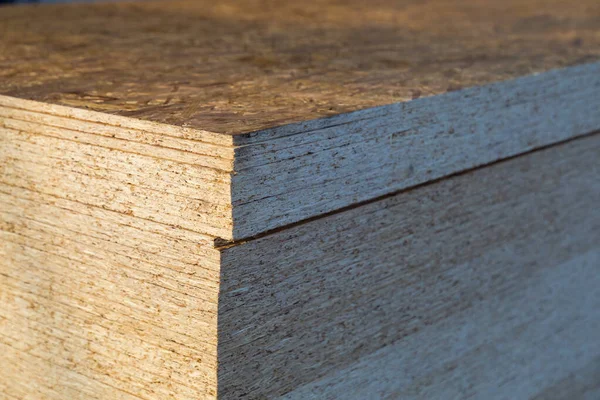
[97,304]
[151,172]
[239,66]
[299,171]
[319,300]
[535,340]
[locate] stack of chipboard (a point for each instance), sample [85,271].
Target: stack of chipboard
[333,200]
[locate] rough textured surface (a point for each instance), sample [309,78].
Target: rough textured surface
[314,299]
[459,286]
[183,217]
[304,170]
[148,172]
[96,304]
[239,66]
[237,187]
[532,341]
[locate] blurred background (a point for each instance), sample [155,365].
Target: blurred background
[31,1]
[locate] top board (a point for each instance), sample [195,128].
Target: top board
[238,66]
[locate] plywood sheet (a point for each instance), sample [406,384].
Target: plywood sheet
[241,66]
[316,298]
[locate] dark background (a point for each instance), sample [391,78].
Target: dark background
[19,1]
[30,1]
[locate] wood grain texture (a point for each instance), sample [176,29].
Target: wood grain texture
[97,304]
[109,279]
[323,98]
[507,346]
[301,171]
[173,177]
[243,66]
[102,304]
[581,384]
[261,199]
[314,299]
[234,188]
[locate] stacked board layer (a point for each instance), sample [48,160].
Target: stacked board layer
[260,199]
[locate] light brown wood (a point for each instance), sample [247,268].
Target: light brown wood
[241,66]
[263,199]
[98,304]
[235,188]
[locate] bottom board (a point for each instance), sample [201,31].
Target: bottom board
[483,285]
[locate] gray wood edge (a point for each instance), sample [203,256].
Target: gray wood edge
[283,176]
